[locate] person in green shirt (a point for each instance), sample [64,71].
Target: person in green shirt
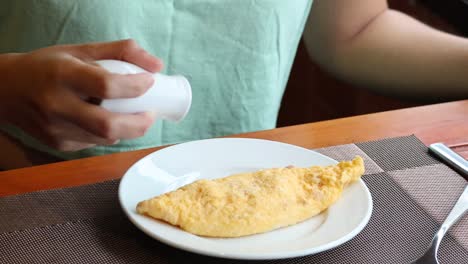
[237,55]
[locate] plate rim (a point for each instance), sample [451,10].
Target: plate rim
[249,256]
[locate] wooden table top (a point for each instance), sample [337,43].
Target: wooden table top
[447,123]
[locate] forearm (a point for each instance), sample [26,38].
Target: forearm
[398,55]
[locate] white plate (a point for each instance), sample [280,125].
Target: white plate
[215,158]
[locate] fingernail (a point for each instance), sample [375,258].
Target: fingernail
[144,78]
[148,78]
[160,64]
[151,114]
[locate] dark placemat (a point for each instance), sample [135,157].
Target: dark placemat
[412,193]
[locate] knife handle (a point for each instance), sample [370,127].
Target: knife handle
[454,160]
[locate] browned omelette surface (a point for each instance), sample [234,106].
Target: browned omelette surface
[252,203]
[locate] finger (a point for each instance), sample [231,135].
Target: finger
[55,132]
[94,81]
[69,146]
[30,122]
[53,141]
[126,50]
[72,132]
[151,115]
[105,124]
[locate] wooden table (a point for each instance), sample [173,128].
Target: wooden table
[446,123]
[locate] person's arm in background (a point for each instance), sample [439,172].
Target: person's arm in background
[44,93]
[366,43]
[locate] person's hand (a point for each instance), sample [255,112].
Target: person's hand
[46,93]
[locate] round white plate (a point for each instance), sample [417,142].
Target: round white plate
[216,158]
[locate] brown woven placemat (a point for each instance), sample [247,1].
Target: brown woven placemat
[411,190]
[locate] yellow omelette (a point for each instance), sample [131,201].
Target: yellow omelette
[255,202]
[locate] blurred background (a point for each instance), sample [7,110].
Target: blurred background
[305,100]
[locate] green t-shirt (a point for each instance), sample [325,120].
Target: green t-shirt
[237,55]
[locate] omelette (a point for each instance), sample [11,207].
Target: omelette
[255,202]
